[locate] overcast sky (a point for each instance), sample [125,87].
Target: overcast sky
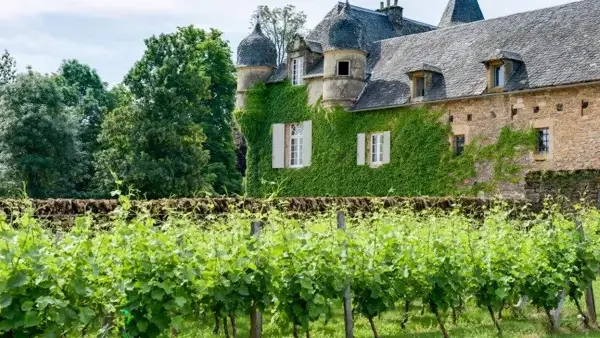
[109,34]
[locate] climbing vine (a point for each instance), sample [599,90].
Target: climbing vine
[422,160]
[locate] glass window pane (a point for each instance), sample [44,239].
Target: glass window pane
[543,141]
[420,87]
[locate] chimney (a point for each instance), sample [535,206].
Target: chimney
[394,13]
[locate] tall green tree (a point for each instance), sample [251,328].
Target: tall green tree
[171,134]
[189,73]
[84,91]
[38,138]
[280,24]
[8,68]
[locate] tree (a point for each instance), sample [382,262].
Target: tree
[171,134]
[38,137]
[84,90]
[280,24]
[8,68]
[190,73]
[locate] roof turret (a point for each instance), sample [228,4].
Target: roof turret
[346,32]
[461,11]
[257,50]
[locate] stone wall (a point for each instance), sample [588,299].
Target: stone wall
[571,114]
[574,186]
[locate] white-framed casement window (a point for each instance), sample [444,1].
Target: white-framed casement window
[376,145]
[343,68]
[292,145]
[295,146]
[499,74]
[373,149]
[297,71]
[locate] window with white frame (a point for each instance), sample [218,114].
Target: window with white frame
[297,71]
[376,149]
[499,76]
[373,149]
[295,149]
[292,145]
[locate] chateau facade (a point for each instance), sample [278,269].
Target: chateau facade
[539,69]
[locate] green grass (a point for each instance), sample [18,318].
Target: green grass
[473,323]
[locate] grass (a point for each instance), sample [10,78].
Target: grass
[473,323]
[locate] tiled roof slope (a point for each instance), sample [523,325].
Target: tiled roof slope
[558,46]
[376,25]
[461,11]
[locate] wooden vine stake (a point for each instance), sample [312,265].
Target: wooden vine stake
[255,315]
[589,292]
[349,325]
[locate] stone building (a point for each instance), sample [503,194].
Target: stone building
[537,69]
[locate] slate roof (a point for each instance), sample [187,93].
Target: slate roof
[279,75]
[558,46]
[316,70]
[500,54]
[461,11]
[376,25]
[346,32]
[257,50]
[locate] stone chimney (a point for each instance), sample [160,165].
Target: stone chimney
[393,12]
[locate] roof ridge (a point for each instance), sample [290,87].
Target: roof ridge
[574,3]
[372,11]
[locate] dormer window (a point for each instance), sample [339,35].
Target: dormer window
[297,71]
[500,67]
[423,79]
[343,68]
[499,73]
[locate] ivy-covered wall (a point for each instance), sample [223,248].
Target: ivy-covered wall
[422,161]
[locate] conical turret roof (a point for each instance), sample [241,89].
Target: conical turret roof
[257,50]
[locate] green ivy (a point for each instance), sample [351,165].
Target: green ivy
[422,161]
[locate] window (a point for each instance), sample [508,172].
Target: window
[292,145]
[296,145]
[459,144]
[297,71]
[420,86]
[543,141]
[343,68]
[377,149]
[499,76]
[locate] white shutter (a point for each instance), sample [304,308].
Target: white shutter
[278,146]
[360,149]
[386,146]
[307,143]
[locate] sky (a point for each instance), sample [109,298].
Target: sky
[109,34]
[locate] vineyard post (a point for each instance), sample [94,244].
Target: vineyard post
[255,315]
[341,222]
[589,292]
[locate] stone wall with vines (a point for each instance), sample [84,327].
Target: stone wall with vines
[422,160]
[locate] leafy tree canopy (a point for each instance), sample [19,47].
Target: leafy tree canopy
[189,76]
[38,138]
[172,136]
[8,68]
